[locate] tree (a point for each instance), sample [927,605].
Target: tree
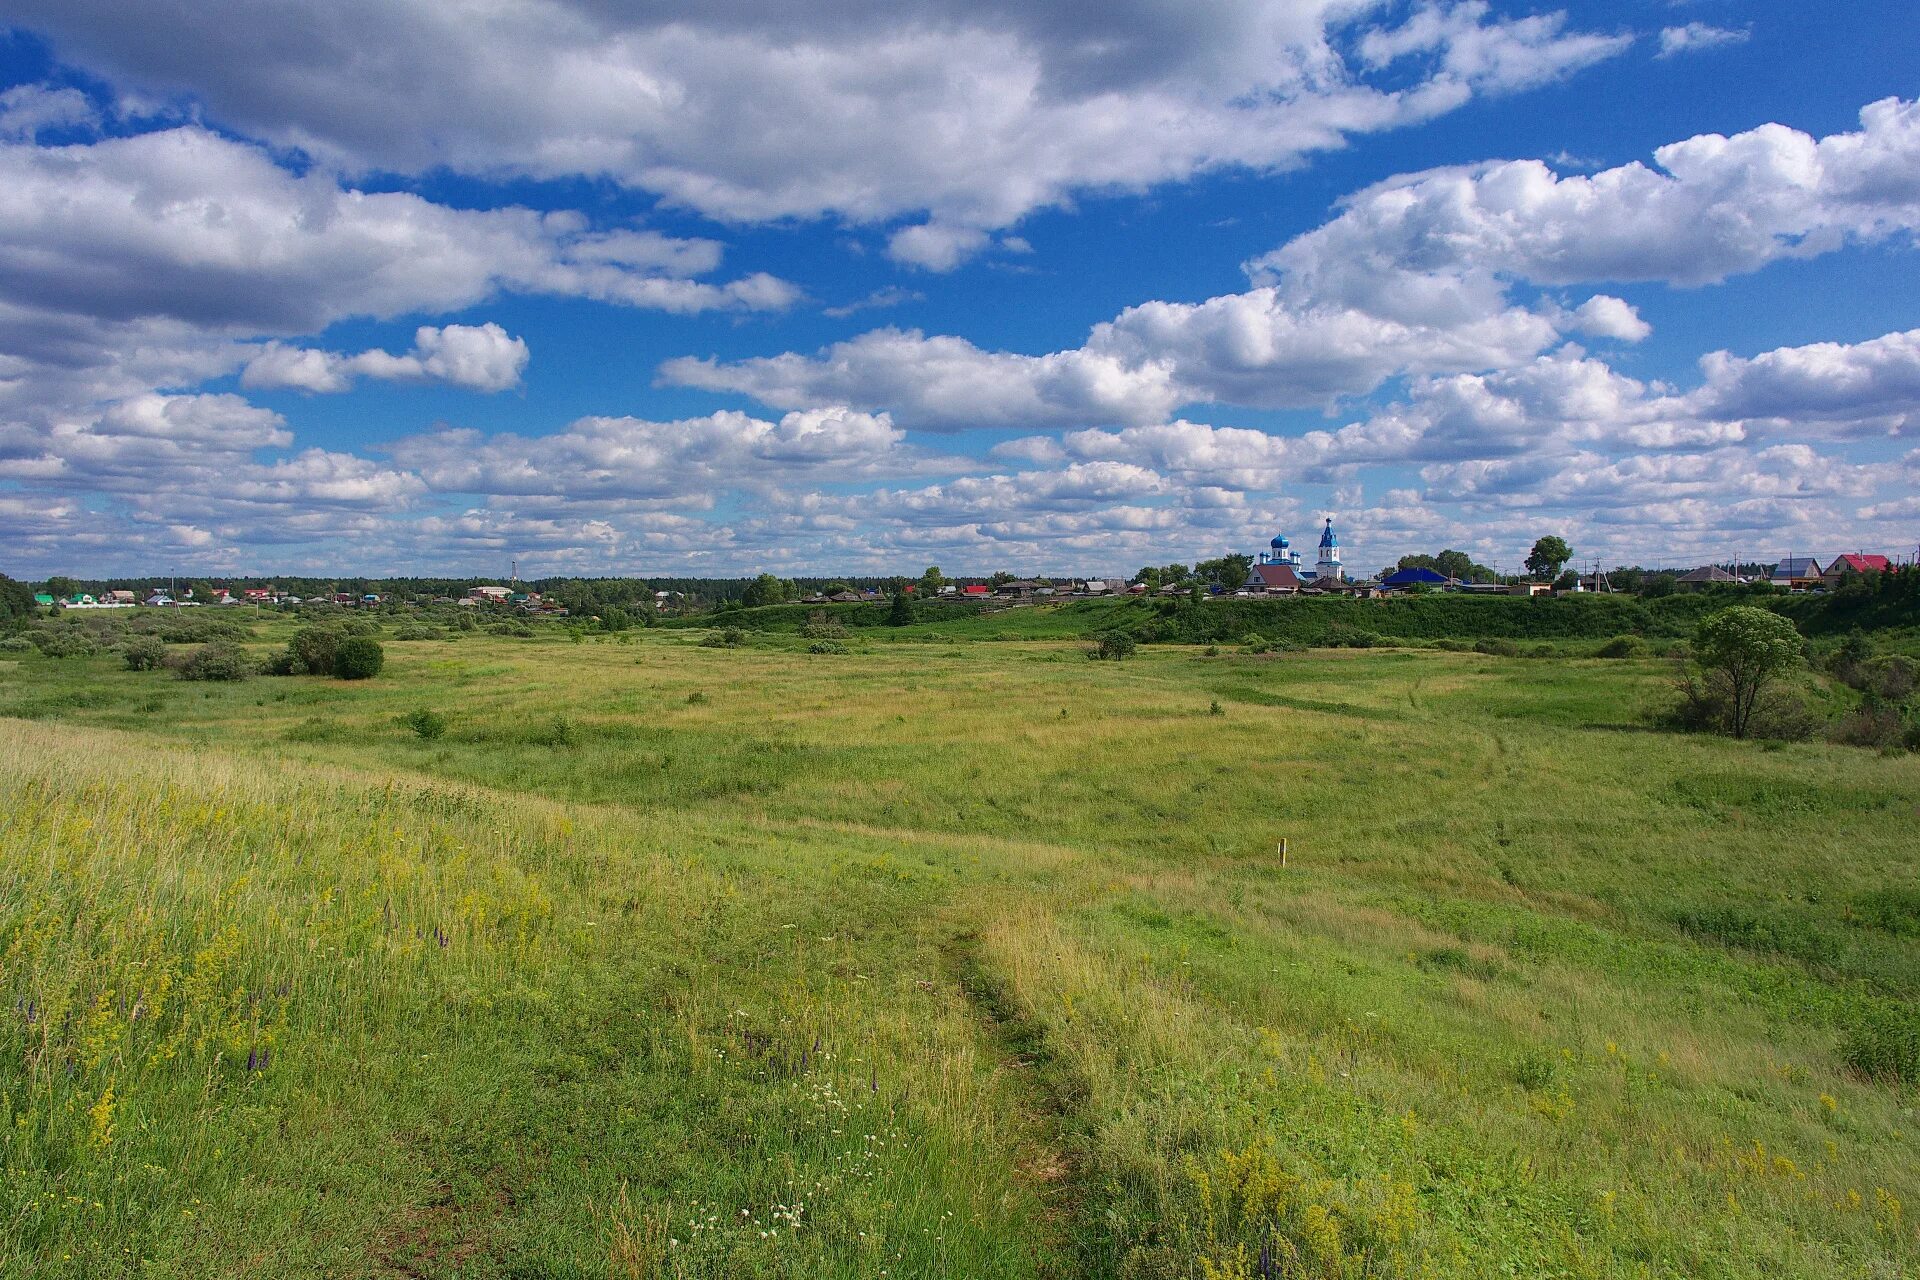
[16,601]
[61,587]
[931,581]
[1548,554]
[765,589]
[1001,579]
[901,614]
[1229,571]
[1743,650]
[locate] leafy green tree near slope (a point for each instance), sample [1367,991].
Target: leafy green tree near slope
[16,601]
[1743,650]
[1548,554]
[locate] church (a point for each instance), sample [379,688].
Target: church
[1279,568]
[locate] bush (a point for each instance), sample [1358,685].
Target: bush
[144,653]
[1114,646]
[1340,635]
[425,724]
[1882,1042]
[65,643]
[826,646]
[16,644]
[312,650]
[1497,648]
[725,638]
[820,626]
[358,658]
[1620,647]
[1872,724]
[220,660]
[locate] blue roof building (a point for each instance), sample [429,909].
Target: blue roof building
[1403,578]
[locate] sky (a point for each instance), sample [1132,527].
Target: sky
[644,288]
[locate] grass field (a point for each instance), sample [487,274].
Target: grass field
[959,960]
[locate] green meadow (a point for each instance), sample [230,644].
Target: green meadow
[944,958]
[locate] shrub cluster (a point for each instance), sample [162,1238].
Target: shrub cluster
[330,651]
[424,723]
[144,653]
[217,660]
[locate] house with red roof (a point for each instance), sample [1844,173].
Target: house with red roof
[1273,579]
[1846,568]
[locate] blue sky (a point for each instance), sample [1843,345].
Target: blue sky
[410,285]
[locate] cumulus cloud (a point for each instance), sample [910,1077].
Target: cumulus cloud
[1694,36]
[153,262]
[26,109]
[1603,316]
[189,225]
[686,461]
[1714,207]
[1861,388]
[475,357]
[966,116]
[1415,276]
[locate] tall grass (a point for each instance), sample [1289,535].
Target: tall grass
[944,959]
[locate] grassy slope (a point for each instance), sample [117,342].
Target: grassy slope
[1312,620]
[1539,993]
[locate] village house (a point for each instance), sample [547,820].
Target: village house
[1709,575]
[1275,579]
[1846,568]
[1798,573]
[1408,579]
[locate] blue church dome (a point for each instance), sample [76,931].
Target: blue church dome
[1327,539]
[1279,543]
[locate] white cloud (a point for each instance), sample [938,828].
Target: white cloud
[1717,206]
[944,383]
[1694,36]
[188,225]
[477,357]
[1863,388]
[685,462]
[968,115]
[935,246]
[1602,316]
[1413,277]
[879,300]
[26,109]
